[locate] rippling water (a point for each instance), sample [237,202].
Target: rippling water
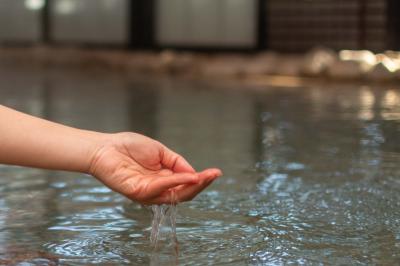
[312,175]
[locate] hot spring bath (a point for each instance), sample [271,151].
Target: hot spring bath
[312,175]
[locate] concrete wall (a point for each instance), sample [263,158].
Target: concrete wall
[200,23]
[89,21]
[20,21]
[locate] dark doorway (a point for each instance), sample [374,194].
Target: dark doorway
[142,23]
[393,24]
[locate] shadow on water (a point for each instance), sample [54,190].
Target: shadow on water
[311,174]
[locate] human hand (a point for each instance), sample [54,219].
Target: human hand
[146,171]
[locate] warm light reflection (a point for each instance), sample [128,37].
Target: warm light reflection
[368,60]
[34,4]
[391,99]
[278,80]
[391,104]
[390,64]
[363,55]
[391,116]
[367,101]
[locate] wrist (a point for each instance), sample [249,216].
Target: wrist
[96,141]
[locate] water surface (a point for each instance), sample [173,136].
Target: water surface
[312,174]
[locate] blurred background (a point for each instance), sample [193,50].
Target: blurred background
[284,25]
[342,39]
[281,25]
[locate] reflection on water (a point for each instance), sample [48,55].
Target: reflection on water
[311,174]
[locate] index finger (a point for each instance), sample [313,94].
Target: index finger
[162,184]
[189,191]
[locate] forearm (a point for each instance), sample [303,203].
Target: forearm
[30,141]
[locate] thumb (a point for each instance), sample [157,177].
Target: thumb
[175,162]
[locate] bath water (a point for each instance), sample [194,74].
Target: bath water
[311,175]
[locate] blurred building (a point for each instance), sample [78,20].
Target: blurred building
[282,25]
[340,24]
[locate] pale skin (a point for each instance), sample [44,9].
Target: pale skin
[138,167]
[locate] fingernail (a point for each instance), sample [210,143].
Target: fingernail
[219,172]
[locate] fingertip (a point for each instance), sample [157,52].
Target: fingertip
[211,173]
[218,172]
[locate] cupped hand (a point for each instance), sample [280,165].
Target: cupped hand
[146,171]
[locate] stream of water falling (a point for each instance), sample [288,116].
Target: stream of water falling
[163,230]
